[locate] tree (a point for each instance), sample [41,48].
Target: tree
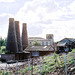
[2,49]
[2,42]
[36,43]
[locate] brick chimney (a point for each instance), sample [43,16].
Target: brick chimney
[11,45]
[24,36]
[17,29]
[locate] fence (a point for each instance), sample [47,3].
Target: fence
[46,65]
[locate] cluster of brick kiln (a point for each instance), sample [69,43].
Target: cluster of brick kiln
[16,43]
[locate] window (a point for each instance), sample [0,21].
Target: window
[61,48]
[50,37]
[35,53]
[47,43]
[30,42]
[42,43]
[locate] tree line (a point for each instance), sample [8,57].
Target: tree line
[2,45]
[2,42]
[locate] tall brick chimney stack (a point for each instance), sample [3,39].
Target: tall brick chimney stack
[11,45]
[17,29]
[24,36]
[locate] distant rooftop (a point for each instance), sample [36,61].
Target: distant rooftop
[70,39]
[36,38]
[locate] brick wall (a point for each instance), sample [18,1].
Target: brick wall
[8,56]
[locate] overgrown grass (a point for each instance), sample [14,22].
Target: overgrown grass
[47,68]
[71,57]
[23,71]
[4,73]
[73,51]
[49,62]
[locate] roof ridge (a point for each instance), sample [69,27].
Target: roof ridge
[35,38]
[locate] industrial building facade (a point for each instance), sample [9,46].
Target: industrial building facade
[44,42]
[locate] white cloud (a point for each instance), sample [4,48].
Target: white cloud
[72,8]
[4,21]
[4,32]
[51,16]
[6,14]
[7,0]
[39,13]
[36,10]
[72,5]
[60,29]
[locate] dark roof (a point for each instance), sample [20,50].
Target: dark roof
[39,48]
[71,39]
[67,40]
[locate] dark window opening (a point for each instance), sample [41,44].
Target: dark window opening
[61,48]
[30,42]
[42,43]
[47,43]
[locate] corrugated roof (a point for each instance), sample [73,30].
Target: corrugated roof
[67,40]
[39,48]
[61,44]
[71,39]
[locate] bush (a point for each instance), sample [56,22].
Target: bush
[73,51]
[2,49]
[25,70]
[0,71]
[36,43]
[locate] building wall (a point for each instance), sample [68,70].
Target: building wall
[8,56]
[42,42]
[41,53]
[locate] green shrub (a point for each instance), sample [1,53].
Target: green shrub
[46,69]
[0,71]
[36,43]
[25,70]
[73,51]
[2,49]
[0,52]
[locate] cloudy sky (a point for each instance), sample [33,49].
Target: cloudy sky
[42,17]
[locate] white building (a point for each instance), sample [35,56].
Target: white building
[44,42]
